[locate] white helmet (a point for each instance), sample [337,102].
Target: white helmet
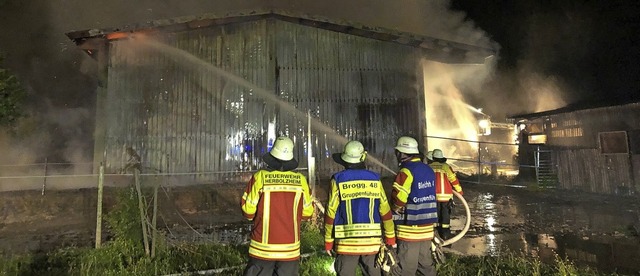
[407,145]
[430,155]
[353,153]
[282,149]
[437,153]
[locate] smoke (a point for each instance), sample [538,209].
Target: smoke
[47,143]
[559,53]
[431,18]
[448,113]
[542,92]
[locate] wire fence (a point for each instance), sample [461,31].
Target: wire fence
[475,161]
[483,161]
[65,176]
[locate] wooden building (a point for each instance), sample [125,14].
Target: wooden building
[594,149]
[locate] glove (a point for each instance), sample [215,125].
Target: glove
[436,251]
[460,192]
[380,256]
[386,258]
[398,210]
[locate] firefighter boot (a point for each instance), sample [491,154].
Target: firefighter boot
[446,234]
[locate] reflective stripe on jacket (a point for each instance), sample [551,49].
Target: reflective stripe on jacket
[356,208]
[277,202]
[446,180]
[414,191]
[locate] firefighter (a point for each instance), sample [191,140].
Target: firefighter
[276,199]
[358,214]
[429,157]
[446,181]
[414,207]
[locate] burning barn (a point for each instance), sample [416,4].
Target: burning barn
[593,149]
[207,95]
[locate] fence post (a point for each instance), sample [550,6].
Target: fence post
[479,162]
[143,217]
[311,161]
[536,158]
[99,211]
[44,182]
[154,230]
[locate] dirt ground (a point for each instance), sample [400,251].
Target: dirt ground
[536,222]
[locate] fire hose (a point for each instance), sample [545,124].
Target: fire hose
[466,225]
[437,244]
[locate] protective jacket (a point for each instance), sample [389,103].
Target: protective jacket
[276,201]
[357,206]
[446,181]
[414,196]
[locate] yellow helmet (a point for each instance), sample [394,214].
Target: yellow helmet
[282,149]
[407,145]
[353,152]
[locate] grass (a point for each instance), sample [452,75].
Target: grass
[190,258]
[127,259]
[510,264]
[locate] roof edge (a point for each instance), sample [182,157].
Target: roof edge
[429,44]
[579,106]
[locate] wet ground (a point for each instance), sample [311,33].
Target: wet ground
[598,231]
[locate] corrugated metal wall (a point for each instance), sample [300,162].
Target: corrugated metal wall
[182,118]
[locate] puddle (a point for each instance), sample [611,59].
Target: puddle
[607,254]
[588,230]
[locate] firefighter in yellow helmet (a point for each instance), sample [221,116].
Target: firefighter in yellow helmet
[276,199]
[358,215]
[414,206]
[446,181]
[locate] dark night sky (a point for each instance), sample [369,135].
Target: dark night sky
[573,50]
[590,47]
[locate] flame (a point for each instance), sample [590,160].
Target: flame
[118,35]
[138,34]
[447,113]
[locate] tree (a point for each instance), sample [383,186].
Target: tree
[11,97]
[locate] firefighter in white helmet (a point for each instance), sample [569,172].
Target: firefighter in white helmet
[414,206]
[276,199]
[446,181]
[429,157]
[356,209]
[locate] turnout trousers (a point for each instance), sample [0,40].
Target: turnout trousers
[414,258]
[345,265]
[444,219]
[258,267]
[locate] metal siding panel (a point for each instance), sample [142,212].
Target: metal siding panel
[202,122]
